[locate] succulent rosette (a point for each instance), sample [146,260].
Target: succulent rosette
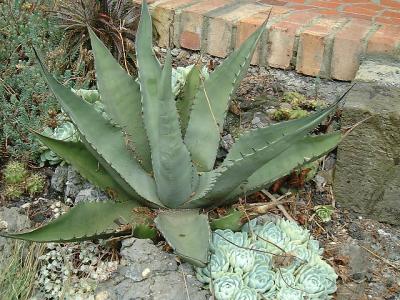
[217,266]
[297,234]
[317,279]
[261,253]
[274,237]
[242,260]
[260,278]
[227,240]
[246,294]
[290,293]
[277,260]
[226,286]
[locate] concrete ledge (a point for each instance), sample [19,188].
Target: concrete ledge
[328,39]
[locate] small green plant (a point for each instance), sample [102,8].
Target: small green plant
[13,191]
[156,155]
[17,274]
[324,212]
[278,260]
[283,114]
[35,184]
[15,172]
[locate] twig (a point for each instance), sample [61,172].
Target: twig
[280,206]
[381,258]
[184,281]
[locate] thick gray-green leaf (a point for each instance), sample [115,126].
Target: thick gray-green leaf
[173,169]
[76,154]
[122,100]
[187,232]
[83,222]
[306,150]
[106,142]
[212,101]
[233,172]
[149,75]
[186,98]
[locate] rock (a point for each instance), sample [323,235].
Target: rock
[367,176]
[148,273]
[59,178]
[227,142]
[384,71]
[175,51]
[12,220]
[90,194]
[74,183]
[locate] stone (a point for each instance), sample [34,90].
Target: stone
[90,194]
[74,183]
[59,178]
[148,273]
[12,220]
[367,175]
[384,71]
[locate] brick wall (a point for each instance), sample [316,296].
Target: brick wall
[317,38]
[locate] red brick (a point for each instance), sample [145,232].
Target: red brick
[347,48]
[370,6]
[391,3]
[385,20]
[326,4]
[281,39]
[312,46]
[330,12]
[360,10]
[356,1]
[163,16]
[273,2]
[384,40]
[246,26]
[191,23]
[358,16]
[219,39]
[391,14]
[302,7]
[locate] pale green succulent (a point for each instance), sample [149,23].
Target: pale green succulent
[245,294]
[304,276]
[324,212]
[180,75]
[155,154]
[226,286]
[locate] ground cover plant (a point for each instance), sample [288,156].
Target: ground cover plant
[156,155]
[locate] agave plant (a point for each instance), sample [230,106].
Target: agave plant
[156,155]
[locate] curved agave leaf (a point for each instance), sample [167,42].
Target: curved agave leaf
[211,104]
[232,173]
[173,169]
[149,76]
[122,100]
[187,232]
[83,222]
[185,100]
[106,142]
[76,154]
[306,150]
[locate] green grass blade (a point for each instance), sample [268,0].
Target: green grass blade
[87,165]
[212,101]
[187,232]
[121,96]
[83,222]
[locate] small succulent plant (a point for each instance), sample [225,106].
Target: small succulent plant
[277,260]
[14,172]
[13,191]
[324,212]
[35,184]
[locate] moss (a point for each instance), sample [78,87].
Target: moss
[15,172]
[299,101]
[284,114]
[35,184]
